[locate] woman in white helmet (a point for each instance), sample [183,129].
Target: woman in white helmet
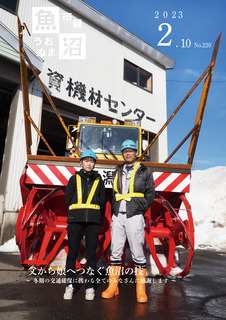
[85,198]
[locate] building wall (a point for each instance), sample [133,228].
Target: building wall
[100,68]
[15,157]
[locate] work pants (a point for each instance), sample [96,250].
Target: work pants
[131,228]
[75,233]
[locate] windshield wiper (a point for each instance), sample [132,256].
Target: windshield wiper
[106,147]
[83,142]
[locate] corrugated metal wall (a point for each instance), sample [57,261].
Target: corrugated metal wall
[17,146]
[9,19]
[7,51]
[17,155]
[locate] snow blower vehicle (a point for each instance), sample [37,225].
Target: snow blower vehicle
[41,227]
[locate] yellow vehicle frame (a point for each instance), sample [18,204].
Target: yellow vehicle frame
[108,156]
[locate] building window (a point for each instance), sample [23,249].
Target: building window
[11,5]
[137,76]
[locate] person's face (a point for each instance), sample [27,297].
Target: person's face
[129,155]
[88,164]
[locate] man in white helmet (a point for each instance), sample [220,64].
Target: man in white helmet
[85,198]
[134,192]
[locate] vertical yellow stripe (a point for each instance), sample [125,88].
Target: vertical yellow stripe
[131,183]
[79,188]
[115,183]
[93,189]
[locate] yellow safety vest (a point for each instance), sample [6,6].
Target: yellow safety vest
[131,194]
[87,205]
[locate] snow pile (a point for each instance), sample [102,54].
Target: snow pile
[9,246]
[208,201]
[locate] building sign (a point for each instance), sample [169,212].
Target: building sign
[46,21]
[48,24]
[77,90]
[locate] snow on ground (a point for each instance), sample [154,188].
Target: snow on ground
[208,201]
[9,246]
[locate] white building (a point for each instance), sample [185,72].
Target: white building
[90,66]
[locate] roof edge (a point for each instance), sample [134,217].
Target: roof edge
[118,31]
[12,40]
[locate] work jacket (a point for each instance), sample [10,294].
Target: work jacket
[143,189]
[78,209]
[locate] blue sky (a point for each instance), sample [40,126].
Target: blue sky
[192,23]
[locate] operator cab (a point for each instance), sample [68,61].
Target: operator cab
[105,138]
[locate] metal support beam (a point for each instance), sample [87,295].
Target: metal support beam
[24,56]
[202,103]
[182,142]
[201,109]
[24,85]
[40,134]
